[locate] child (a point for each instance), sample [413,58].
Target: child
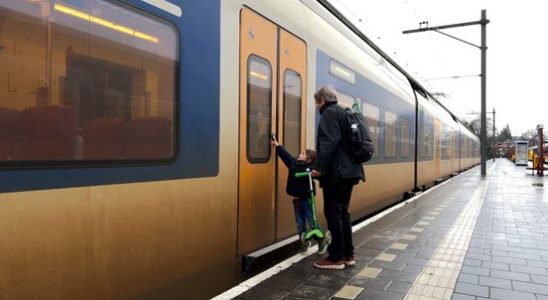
[300,189]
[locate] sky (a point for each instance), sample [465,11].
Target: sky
[517,54]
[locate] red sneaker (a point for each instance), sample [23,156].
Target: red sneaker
[350,261]
[326,263]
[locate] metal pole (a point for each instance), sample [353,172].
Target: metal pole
[494,136]
[483,138]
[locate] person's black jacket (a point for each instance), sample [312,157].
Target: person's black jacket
[332,160]
[296,187]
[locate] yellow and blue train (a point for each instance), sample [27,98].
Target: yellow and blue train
[135,160]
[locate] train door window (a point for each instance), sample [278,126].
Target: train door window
[292,111]
[259,91]
[404,123]
[390,134]
[372,113]
[87,80]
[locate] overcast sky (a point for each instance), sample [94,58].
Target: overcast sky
[517,55]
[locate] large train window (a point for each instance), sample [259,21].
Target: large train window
[85,80]
[390,134]
[292,111]
[404,123]
[372,113]
[259,108]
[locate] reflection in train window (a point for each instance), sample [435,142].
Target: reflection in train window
[259,108]
[390,134]
[92,81]
[372,113]
[404,137]
[346,100]
[292,111]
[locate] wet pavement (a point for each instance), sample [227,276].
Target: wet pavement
[469,238]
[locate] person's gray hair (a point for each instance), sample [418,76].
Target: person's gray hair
[327,93]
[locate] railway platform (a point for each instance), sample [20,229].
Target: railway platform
[467,238]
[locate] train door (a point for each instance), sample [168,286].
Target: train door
[291,120]
[258,68]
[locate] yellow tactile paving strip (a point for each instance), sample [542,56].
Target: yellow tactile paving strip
[349,292]
[369,272]
[439,277]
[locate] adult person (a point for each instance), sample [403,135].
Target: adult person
[337,174]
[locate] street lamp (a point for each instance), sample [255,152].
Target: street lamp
[483,22]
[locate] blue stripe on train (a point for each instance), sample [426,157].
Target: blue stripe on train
[198,114]
[369,91]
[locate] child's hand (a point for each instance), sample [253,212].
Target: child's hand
[274,141]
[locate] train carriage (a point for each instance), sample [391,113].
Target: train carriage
[135,159]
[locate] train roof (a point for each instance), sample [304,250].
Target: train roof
[417,85]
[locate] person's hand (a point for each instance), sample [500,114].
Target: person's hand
[316,173]
[274,142]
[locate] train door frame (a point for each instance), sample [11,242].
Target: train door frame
[293,58]
[264,210]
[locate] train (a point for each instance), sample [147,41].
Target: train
[135,158]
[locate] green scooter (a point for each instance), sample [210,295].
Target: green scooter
[314,232]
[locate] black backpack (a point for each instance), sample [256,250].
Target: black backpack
[358,140]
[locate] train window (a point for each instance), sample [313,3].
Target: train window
[345,100]
[85,80]
[390,134]
[444,139]
[372,113]
[292,111]
[342,72]
[404,123]
[427,149]
[259,109]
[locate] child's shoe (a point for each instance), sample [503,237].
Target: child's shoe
[305,244]
[324,243]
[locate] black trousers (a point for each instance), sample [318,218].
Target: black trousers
[336,201]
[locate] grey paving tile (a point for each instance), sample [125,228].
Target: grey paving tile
[472,262]
[468,278]
[528,269]
[502,294]
[495,265]
[475,270]
[330,282]
[311,292]
[371,294]
[510,275]
[530,287]
[399,287]
[539,279]
[476,256]
[371,283]
[412,268]
[495,282]
[263,292]
[462,297]
[472,289]
[509,260]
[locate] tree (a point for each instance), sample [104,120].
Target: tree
[474,125]
[531,136]
[505,134]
